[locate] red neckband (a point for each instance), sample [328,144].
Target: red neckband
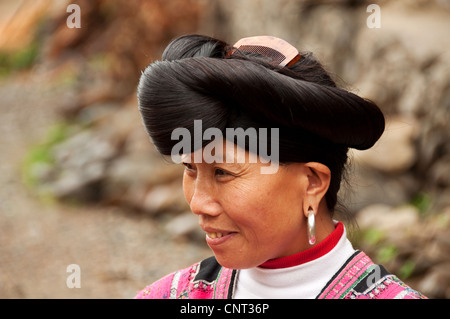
[310,254]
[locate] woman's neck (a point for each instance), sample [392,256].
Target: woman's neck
[318,250]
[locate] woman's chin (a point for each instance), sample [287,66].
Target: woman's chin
[233,262]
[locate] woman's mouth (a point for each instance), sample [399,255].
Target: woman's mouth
[215,235]
[217,238]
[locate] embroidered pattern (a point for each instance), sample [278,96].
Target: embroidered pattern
[208,279]
[223,283]
[389,287]
[347,278]
[174,285]
[354,275]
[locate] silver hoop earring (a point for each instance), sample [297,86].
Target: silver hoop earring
[311,227]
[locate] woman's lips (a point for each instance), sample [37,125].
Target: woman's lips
[217,238]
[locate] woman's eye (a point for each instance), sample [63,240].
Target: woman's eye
[221,172]
[188,166]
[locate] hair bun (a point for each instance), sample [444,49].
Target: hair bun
[198,80]
[302,96]
[190,46]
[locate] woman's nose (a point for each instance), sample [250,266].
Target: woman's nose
[203,201]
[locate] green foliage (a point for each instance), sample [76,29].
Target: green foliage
[422,202]
[407,269]
[387,254]
[19,60]
[41,154]
[372,236]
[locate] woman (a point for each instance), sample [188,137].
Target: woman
[272,232]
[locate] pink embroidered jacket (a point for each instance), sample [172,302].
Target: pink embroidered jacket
[358,278]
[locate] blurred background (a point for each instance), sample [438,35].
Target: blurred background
[82,184]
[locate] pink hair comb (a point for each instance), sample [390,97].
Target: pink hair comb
[278,50]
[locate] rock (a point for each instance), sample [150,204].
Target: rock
[73,185]
[440,172]
[165,198]
[41,172]
[369,217]
[365,186]
[80,164]
[394,152]
[83,148]
[132,178]
[436,282]
[144,170]
[185,225]
[388,219]
[412,101]
[98,112]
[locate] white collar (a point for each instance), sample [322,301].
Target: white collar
[298,282]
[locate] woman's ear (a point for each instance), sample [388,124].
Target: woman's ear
[319,177]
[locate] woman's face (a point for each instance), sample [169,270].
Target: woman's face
[248,217]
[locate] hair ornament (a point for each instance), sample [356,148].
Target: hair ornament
[278,50]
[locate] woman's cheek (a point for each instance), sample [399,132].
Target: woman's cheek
[187,190]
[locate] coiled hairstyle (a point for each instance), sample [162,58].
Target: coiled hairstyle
[197,79]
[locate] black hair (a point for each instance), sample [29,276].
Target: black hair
[197,79]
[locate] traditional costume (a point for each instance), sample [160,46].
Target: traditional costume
[331,269]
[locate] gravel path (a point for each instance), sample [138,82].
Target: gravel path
[118,252]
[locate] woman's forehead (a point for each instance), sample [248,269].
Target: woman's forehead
[220,151]
[226,152]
